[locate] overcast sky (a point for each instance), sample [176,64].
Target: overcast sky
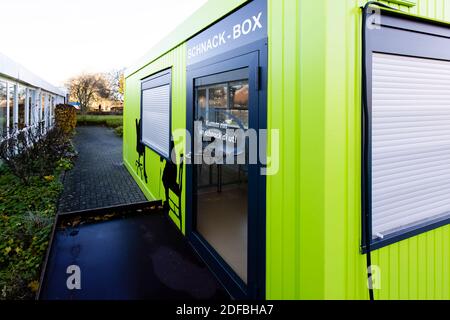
[57,39]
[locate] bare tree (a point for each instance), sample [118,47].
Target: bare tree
[88,88]
[116,81]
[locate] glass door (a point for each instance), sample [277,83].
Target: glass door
[221,109]
[223,193]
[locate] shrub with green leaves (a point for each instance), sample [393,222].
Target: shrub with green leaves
[32,153]
[26,218]
[23,244]
[110,121]
[29,190]
[119,131]
[38,195]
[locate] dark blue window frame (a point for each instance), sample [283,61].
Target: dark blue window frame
[257,254]
[405,35]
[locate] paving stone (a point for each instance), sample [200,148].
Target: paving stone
[99,178]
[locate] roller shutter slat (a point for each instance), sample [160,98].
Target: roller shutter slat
[404,195]
[405,162]
[391,194]
[410,141]
[156,119]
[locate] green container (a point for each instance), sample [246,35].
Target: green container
[307,227]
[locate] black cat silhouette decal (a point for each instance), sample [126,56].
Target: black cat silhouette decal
[140,148]
[173,181]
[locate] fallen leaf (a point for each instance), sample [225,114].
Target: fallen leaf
[49,178]
[34,286]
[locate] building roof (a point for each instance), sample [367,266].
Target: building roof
[14,70]
[207,15]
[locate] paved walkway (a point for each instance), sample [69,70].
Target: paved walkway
[99,178]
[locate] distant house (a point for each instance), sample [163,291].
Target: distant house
[76,105]
[106,105]
[117,108]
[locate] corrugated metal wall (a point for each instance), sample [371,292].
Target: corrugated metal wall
[313,203]
[177,60]
[313,210]
[295,196]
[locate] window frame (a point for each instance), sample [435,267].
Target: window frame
[158,79]
[5,131]
[21,94]
[398,35]
[31,99]
[35,114]
[12,98]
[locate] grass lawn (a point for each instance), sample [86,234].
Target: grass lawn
[110,121]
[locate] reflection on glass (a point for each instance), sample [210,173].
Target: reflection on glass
[224,106]
[201,105]
[31,95]
[49,110]
[52,109]
[21,105]
[239,95]
[222,190]
[43,101]
[218,96]
[3,110]
[12,94]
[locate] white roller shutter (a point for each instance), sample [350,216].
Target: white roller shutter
[410,142]
[156,119]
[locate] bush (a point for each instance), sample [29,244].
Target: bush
[37,195]
[114,123]
[119,131]
[29,189]
[26,218]
[93,120]
[23,245]
[66,118]
[31,153]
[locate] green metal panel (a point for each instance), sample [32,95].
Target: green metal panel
[171,52]
[295,196]
[175,59]
[314,202]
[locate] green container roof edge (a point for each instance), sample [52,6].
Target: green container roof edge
[407,3]
[214,10]
[211,12]
[413,15]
